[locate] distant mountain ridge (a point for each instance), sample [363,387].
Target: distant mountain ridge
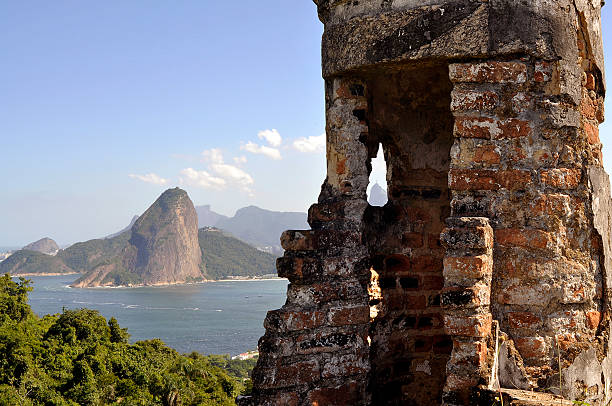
[44,246]
[259,227]
[145,253]
[162,248]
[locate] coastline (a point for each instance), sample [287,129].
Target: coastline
[43,274]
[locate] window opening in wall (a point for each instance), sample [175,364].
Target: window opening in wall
[377,188]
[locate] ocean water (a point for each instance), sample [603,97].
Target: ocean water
[211,318]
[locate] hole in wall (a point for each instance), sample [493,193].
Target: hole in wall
[377,188]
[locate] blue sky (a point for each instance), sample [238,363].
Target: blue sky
[106,104]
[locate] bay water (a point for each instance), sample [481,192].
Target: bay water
[210,318]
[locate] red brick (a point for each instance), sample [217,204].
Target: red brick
[416,302]
[433,241]
[482,179]
[341,166]
[412,240]
[465,100]
[543,71]
[592,133]
[592,319]
[513,179]
[487,154]
[426,263]
[468,326]
[513,128]
[469,179]
[345,366]
[301,320]
[531,347]
[345,316]
[551,205]
[588,108]
[432,282]
[523,320]
[293,373]
[475,127]
[467,267]
[298,240]
[590,81]
[526,238]
[350,393]
[489,72]
[456,382]
[562,178]
[470,353]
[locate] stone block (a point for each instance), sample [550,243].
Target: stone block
[488,72]
[467,326]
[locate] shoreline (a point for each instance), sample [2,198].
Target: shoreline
[236,279]
[43,274]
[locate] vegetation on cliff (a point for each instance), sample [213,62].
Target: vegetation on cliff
[32,262]
[79,358]
[226,256]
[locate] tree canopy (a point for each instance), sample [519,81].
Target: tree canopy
[79,358]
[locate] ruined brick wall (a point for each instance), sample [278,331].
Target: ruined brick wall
[491,258]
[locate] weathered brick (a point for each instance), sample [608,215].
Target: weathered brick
[344,316]
[543,71]
[467,326]
[457,269]
[346,366]
[426,263]
[513,128]
[475,127]
[592,133]
[294,320]
[531,347]
[298,240]
[526,238]
[527,320]
[561,178]
[469,353]
[487,154]
[480,238]
[489,72]
[351,393]
[412,240]
[592,319]
[466,100]
[466,297]
[487,179]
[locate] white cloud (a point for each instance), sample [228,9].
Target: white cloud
[213,155]
[233,174]
[262,149]
[150,178]
[314,143]
[220,174]
[202,179]
[271,136]
[239,160]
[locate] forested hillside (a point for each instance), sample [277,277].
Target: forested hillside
[79,358]
[224,256]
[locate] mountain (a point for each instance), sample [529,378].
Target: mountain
[162,248]
[127,228]
[226,256]
[207,217]
[263,228]
[24,262]
[378,196]
[44,246]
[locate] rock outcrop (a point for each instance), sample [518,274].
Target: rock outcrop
[162,248]
[44,246]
